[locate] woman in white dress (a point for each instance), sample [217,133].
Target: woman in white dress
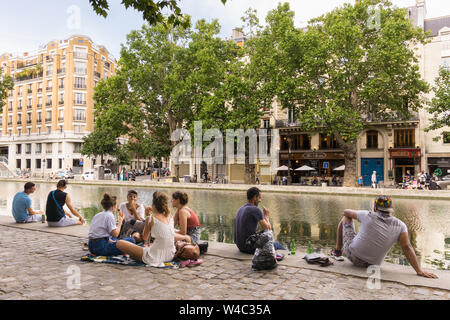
[158,226]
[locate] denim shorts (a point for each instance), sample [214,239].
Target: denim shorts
[194,233]
[104,247]
[348,234]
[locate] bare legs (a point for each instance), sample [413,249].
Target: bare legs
[133,250]
[339,240]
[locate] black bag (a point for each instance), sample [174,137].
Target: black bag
[317,258]
[203,247]
[265,255]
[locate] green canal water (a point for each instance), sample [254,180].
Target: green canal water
[300,217]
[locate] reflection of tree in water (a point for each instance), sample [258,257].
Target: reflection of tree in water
[89,212]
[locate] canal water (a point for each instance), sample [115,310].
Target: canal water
[300,217]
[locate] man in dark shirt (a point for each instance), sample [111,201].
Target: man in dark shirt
[247,219]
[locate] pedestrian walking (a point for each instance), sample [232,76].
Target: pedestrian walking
[374,179]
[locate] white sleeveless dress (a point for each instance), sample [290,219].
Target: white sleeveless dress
[162,249]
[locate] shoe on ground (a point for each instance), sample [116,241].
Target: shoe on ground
[184,263]
[194,263]
[337,255]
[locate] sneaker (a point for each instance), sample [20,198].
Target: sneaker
[279,256]
[337,255]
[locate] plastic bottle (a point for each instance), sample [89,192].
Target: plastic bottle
[43,218]
[292,248]
[310,250]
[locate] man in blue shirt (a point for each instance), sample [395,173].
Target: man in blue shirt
[21,206]
[248,217]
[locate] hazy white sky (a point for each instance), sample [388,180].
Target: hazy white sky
[25,24]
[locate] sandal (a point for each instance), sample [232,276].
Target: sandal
[194,263]
[184,263]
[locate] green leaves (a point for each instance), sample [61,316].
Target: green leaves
[151,10]
[6,83]
[440,104]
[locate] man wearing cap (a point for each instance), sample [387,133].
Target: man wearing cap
[379,231]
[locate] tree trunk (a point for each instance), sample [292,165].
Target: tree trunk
[350,156]
[249,177]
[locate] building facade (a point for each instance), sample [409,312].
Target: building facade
[50,109]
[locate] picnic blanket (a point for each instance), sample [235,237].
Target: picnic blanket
[126,260]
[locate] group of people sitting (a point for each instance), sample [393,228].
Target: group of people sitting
[153,225]
[379,230]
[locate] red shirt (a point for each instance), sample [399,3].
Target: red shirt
[192,222]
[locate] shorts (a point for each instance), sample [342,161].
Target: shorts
[194,233]
[32,218]
[348,234]
[63,222]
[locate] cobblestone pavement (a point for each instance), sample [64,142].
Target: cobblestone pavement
[37,265]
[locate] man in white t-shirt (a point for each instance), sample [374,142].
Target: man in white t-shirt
[131,209]
[379,231]
[134,217]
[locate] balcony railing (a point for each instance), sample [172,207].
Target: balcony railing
[79,103]
[38,121]
[48,119]
[48,151]
[39,90]
[39,105]
[80,86]
[391,117]
[47,104]
[286,123]
[61,71]
[29,107]
[18,109]
[80,70]
[60,118]
[38,151]
[28,77]
[30,91]
[61,87]
[9,123]
[28,121]
[49,88]
[49,59]
[80,55]
[79,119]
[10,109]
[61,102]
[49,72]
[19,123]
[96,74]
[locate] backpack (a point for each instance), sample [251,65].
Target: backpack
[265,255]
[187,251]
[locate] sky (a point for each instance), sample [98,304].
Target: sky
[26,24]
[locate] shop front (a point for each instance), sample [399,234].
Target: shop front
[323,164]
[403,160]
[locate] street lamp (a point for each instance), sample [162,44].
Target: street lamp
[118,160]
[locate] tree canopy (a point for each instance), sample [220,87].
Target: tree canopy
[440,104]
[6,83]
[152,11]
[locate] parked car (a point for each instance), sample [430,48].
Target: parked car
[108,174]
[65,174]
[444,182]
[88,175]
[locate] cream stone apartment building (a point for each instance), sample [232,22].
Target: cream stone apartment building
[51,107]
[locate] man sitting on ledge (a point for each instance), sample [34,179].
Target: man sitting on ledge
[21,206]
[379,231]
[247,219]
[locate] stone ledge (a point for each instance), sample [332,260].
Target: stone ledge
[341,191]
[389,272]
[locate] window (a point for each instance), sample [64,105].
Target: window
[49,163]
[18,164]
[38,163]
[19,132]
[49,116]
[18,149]
[78,129]
[446,63]
[446,137]
[327,142]
[266,123]
[38,147]
[61,83]
[80,83]
[49,129]
[80,98]
[60,163]
[80,67]
[404,138]
[76,147]
[79,115]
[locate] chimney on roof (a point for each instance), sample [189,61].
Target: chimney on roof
[421,12]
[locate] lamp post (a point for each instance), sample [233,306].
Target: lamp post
[118,160]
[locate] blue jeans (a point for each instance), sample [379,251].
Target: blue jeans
[105,247]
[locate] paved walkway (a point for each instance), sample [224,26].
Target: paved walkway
[36,263]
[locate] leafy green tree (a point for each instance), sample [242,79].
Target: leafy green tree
[151,10]
[342,68]
[99,143]
[6,83]
[440,104]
